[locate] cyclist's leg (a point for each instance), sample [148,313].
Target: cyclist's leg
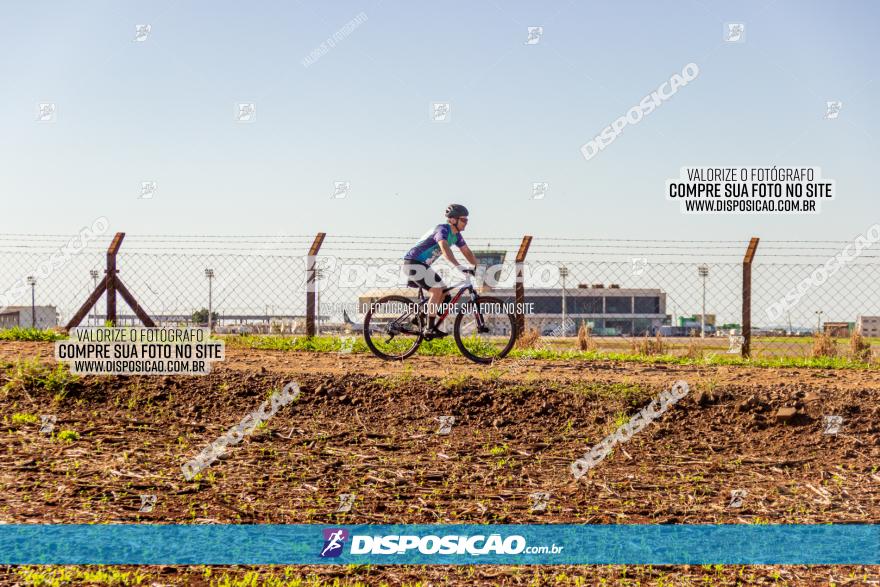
[435,291]
[420,275]
[434,301]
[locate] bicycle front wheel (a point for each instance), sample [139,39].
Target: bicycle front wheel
[484,332]
[393,328]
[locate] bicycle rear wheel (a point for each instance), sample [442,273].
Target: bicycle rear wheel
[393,327]
[483,331]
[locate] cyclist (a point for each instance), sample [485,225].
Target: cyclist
[437,241]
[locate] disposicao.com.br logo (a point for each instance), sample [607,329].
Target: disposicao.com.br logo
[477,545]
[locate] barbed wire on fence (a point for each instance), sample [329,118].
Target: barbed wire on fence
[622,289]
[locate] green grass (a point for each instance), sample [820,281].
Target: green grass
[257,579]
[322,344]
[819,363]
[19,333]
[62,576]
[808,340]
[20,418]
[447,347]
[68,435]
[33,376]
[327,344]
[347,576]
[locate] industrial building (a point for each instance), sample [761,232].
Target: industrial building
[23,316]
[608,311]
[838,329]
[868,325]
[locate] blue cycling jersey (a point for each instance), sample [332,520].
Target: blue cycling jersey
[428,248]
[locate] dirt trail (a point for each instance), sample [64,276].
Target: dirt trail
[370,428]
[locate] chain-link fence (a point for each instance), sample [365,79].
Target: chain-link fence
[686,297]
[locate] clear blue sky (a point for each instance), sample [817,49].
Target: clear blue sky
[163,110]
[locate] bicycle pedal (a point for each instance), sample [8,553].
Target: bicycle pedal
[432,334]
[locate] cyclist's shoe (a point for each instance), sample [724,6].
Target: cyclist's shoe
[434,332]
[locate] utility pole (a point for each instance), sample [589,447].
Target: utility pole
[563,273]
[319,275]
[703,271]
[818,320]
[33,283]
[94,273]
[209,273]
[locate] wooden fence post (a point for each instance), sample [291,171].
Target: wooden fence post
[311,261]
[111,284]
[519,287]
[747,298]
[111,277]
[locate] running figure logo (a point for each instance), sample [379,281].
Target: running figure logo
[334,539]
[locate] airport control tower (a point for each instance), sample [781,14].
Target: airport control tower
[488,259]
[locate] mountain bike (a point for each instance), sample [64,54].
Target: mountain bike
[484,329]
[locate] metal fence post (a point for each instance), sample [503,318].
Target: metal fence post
[747,297]
[311,261]
[519,288]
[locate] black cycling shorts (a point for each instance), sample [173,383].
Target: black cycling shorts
[419,274]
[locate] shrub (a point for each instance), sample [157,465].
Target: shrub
[528,339]
[823,346]
[20,418]
[19,333]
[68,435]
[859,347]
[585,339]
[693,351]
[648,346]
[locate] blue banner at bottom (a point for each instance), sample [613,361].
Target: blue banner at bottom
[534,544]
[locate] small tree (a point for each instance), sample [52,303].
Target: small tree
[201,316]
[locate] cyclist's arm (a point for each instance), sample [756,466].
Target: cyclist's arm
[446,250]
[466,251]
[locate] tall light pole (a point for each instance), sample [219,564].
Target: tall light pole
[818,320]
[319,275]
[703,271]
[94,274]
[209,273]
[563,273]
[33,283]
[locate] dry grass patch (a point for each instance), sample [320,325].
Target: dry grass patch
[649,346]
[823,346]
[528,339]
[859,348]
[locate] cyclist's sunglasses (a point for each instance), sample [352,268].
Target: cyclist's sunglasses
[462,218]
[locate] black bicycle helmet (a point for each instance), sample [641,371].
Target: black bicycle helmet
[456,210]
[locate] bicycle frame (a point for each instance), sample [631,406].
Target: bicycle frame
[460,299]
[463,287]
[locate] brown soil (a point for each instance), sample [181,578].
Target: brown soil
[368,427]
